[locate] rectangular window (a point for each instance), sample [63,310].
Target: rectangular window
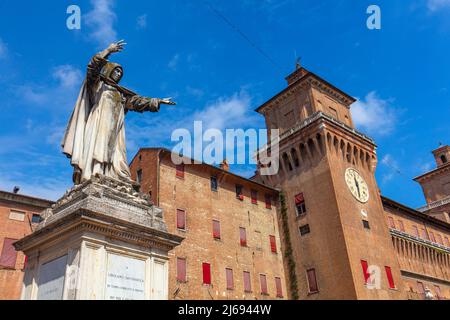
[432,238]
[366,224]
[181,269]
[239,193]
[425,234]
[312,281]
[247,284]
[258,240]
[139,176]
[300,205]
[17,215]
[391,223]
[243,237]
[216,229]
[180,170]
[35,218]
[401,225]
[278,287]
[268,200]
[390,278]
[439,239]
[263,283]
[437,289]
[206,267]
[304,230]
[446,242]
[420,287]
[254,195]
[273,244]
[366,274]
[9,254]
[181,219]
[229,275]
[416,231]
[214,183]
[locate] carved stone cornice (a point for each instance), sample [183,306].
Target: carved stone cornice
[445,169]
[105,206]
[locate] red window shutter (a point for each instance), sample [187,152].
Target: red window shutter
[247,284]
[365,266]
[181,269]
[181,219]
[254,195]
[439,239]
[243,237]
[312,280]
[391,223]
[9,254]
[216,229]
[268,200]
[420,287]
[401,225]
[438,291]
[263,282]
[278,287]
[425,234]
[390,278]
[273,244]
[180,170]
[229,274]
[432,237]
[299,198]
[206,273]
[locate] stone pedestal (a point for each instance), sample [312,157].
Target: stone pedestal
[102,240]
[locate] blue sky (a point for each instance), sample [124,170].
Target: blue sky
[400,74]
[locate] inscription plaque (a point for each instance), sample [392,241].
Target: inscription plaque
[51,279]
[125,278]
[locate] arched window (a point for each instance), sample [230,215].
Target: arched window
[444,159]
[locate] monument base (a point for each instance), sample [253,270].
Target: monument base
[102,240]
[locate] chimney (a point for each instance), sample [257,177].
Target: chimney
[16,189]
[224,165]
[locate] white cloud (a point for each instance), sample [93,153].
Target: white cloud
[392,168]
[173,63]
[101,21]
[374,115]
[226,112]
[68,76]
[141,21]
[3,49]
[435,5]
[198,93]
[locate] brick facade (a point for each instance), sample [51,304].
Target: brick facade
[222,250]
[16,221]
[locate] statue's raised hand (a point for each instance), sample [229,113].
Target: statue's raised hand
[116,46]
[167,101]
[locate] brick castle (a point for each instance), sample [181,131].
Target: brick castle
[318,229]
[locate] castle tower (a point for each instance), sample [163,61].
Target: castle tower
[436,186]
[337,229]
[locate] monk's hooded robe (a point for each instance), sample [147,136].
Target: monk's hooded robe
[95,136]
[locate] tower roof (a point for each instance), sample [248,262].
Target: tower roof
[299,76]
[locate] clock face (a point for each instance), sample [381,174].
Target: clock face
[357,185]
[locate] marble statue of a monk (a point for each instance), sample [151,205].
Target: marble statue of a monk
[95,136]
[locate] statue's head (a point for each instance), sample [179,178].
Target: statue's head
[116,74]
[113,71]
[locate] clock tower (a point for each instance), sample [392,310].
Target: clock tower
[334,234]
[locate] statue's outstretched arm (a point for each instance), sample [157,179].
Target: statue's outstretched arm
[142,104]
[100,59]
